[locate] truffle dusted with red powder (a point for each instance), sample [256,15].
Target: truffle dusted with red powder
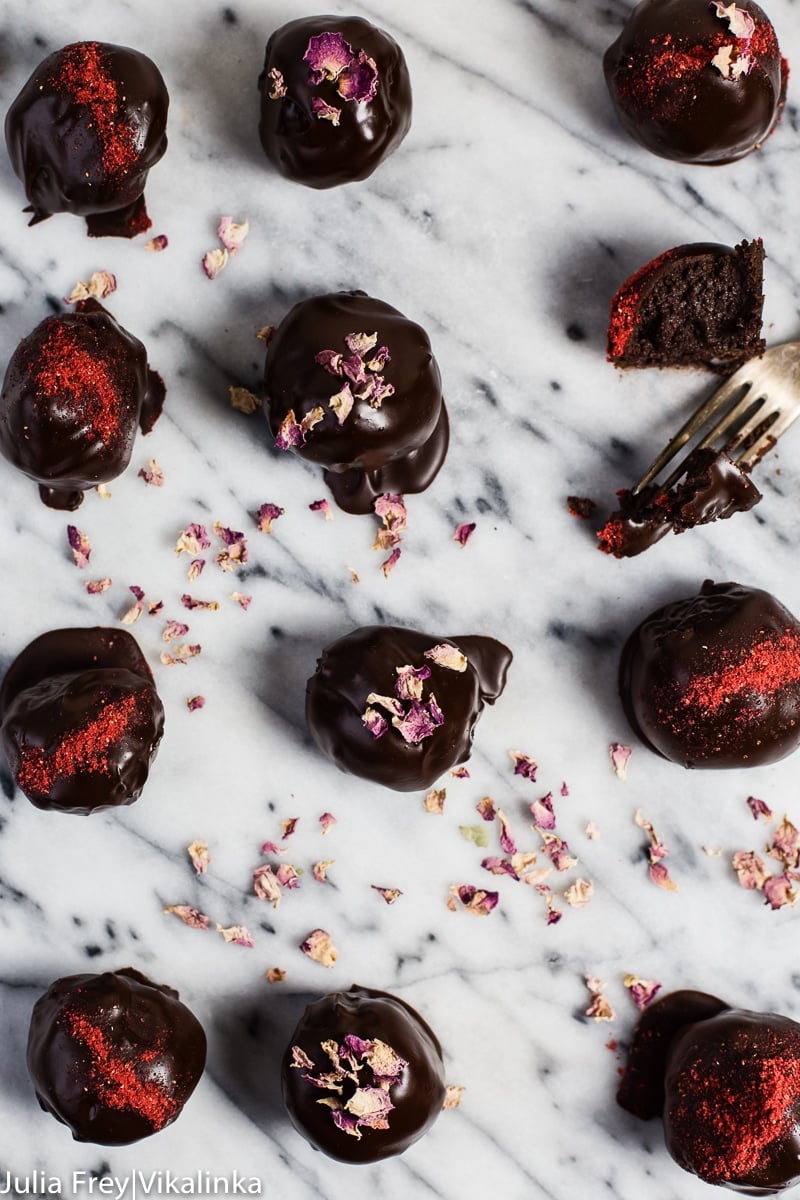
[695,305]
[84,132]
[393,706]
[335,99]
[80,720]
[714,680]
[115,1056]
[362,1076]
[74,393]
[727,1083]
[697,82]
[352,384]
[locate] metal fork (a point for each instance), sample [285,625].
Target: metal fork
[751,410]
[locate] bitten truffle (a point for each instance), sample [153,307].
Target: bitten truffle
[335,99]
[80,720]
[697,82]
[727,1083]
[362,1076]
[399,707]
[115,1056]
[714,680]
[352,384]
[84,132]
[74,392]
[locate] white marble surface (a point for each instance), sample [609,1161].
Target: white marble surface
[503,225]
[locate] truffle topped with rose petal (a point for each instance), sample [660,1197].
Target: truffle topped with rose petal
[399,707]
[335,99]
[352,384]
[362,1076]
[697,82]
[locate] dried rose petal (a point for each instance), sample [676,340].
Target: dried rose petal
[463,533]
[553,915]
[195,702]
[499,866]
[154,607]
[322,506]
[266,514]
[238,935]
[265,333]
[390,895]
[80,546]
[740,22]
[135,611]
[196,568]
[232,235]
[158,243]
[712,851]
[324,111]
[599,1008]
[326,820]
[543,815]
[391,509]
[198,853]
[152,474]
[266,886]
[619,759]
[241,599]
[203,605]
[731,62]
[758,808]
[507,843]
[410,681]
[452,1096]
[785,843]
[243,400]
[288,876]
[96,587]
[214,261]
[563,790]
[278,89]
[524,765]
[180,656]
[289,433]
[361,343]
[750,870]
[359,80]
[579,893]
[327,55]
[475,834]
[420,721]
[375,723]
[236,553]
[557,851]
[318,945]
[190,916]
[100,285]
[320,869]
[103,492]
[779,892]
[192,540]
[661,877]
[288,826]
[475,900]
[273,848]
[643,991]
[173,630]
[447,656]
[434,801]
[275,975]
[460,773]
[592,832]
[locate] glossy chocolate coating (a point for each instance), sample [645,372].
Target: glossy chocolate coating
[417,1099]
[364,662]
[398,447]
[714,680]
[55,142]
[115,1056]
[727,1082]
[670,97]
[60,684]
[312,150]
[70,438]
[714,490]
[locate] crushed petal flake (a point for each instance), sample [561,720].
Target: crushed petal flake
[192,540]
[759,808]
[195,702]
[524,765]
[324,111]
[214,261]
[190,916]
[96,587]
[326,820]
[196,568]
[544,816]
[389,564]
[507,843]
[180,656]
[434,801]
[238,935]
[275,975]
[322,506]
[643,991]
[202,605]
[231,234]
[152,474]
[174,630]
[390,895]
[242,600]
[319,947]
[779,892]
[154,607]
[660,876]
[278,89]
[460,773]
[100,285]
[266,885]
[156,244]
[740,22]
[135,611]
[592,832]
[463,533]
[487,808]
[474,899]
[288,826]
[103,492]
[80,546]
[557,851]
[447,656]
[266,514]
[785,844]
[579,893]
[236,542]
[452,1096]
[600,1009]
[320,869]
[750,870]
[243,400]
[198,853]
[620,755]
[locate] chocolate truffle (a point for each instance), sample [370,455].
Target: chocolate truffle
[727,1082]
[74,392]
[80,719]
[352,384]
[399,707]
[115,1056]
[362,1076]
[714,680]
[84,132]
[697,82]
[335,99]
[696,305]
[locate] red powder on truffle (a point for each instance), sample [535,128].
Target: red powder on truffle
[84,75]
[65,369]
[115,1080]
[84,750]
[765,668]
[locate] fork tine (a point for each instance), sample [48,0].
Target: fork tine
[752,455]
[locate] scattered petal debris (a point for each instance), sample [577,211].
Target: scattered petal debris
[557,851]
[288,826]
[238,935]
[581,506]
[785,844]
[452,1096]
[740,22]
[390,895]
[759,808]
[619,759]
[100,285]
[192,540]
[524,765]
[460,773]
[320,948]
[507,843]
[518,866]
[476,834]
[592,832]
[434,800]
[643,991]
[463,533]
[278,90]
[354,575]
[266,886]
[564,790]
[779,891]
[195,702]
[180,655]
[152,474]
[487,808]
[322,506]
[419,720]
[243,400]
[544,816]
[131,616]
[656,852]
[391,510]
[264,334]
[96,587]
[156,244]
[326,820]
[554,914]
[320,869]
[476,900]
[103,492]
[750,870]
[661,877]
[174,630]
[579,893]
[275,975]
[214,261]
[288,876]
[190,916]
[273,848]
[369,1105]
[599,1008]
[241,599]
[389,564]
[196,568]
[154,607]
[198,853]
[266,514]
[203,605]
[712,851]
[291,433]
[231,234]
[445,655]
[236,542]
[80,546]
